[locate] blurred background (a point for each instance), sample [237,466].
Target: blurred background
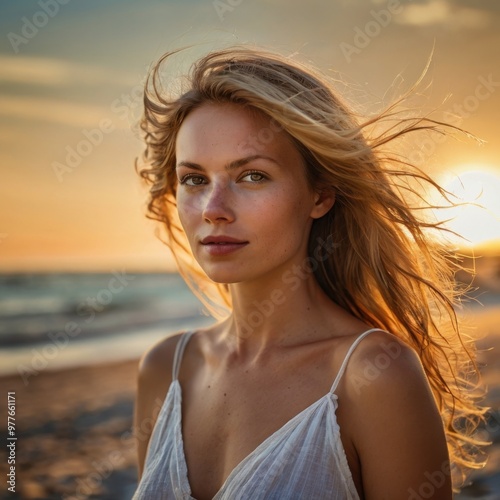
[86,287]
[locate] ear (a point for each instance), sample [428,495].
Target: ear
[323,202]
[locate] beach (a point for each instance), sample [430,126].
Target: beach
[73,429]
[73,424]
[73,433]
[485,483]
[69,348]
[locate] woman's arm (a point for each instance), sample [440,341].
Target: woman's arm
[398,431]
[154,379]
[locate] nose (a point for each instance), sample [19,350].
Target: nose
[217,204]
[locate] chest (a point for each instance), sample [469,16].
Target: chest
[226,416]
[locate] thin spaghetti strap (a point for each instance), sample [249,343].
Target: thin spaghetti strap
[348,355]
[179,351]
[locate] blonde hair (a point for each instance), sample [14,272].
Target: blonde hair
[384,267]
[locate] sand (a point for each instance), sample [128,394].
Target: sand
[73,429]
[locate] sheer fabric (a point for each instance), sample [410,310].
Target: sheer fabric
[302,460]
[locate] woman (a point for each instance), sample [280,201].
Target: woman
[336,367]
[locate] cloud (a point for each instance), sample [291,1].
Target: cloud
[52,111]
[57,73]
[444,13]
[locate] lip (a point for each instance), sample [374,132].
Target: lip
[222,245]
[220,240]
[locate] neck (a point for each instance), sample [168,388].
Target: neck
[272,313]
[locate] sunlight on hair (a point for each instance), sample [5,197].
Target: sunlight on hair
[384,268]
[477,216]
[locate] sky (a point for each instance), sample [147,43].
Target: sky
[71,75]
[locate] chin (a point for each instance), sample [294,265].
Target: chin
[224,274]
[224,278]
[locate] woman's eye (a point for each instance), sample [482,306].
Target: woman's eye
[253,177]
[192,180]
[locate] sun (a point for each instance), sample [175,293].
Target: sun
[477,219]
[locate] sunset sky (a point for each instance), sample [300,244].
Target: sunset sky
[71,74]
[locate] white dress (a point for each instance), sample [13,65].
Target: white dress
[303,460]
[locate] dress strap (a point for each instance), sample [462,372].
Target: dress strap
[179,351]
[348,355]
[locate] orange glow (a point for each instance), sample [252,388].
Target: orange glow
[477,219]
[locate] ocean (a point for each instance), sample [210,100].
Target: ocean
[57,320]
[50,321]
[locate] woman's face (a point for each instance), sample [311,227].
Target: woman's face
[243,198]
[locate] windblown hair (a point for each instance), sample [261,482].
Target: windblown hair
[384,267]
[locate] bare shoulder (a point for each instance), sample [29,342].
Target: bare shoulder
[156,363]
[153,381]
[383,360]
[155,374]
[393,420]
[383,364]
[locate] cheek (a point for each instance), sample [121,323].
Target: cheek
[188,213]
[191,204]
[292,203]
[285,217]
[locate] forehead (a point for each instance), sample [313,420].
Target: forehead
[230,130]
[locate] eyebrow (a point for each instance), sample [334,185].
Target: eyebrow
[231,165]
